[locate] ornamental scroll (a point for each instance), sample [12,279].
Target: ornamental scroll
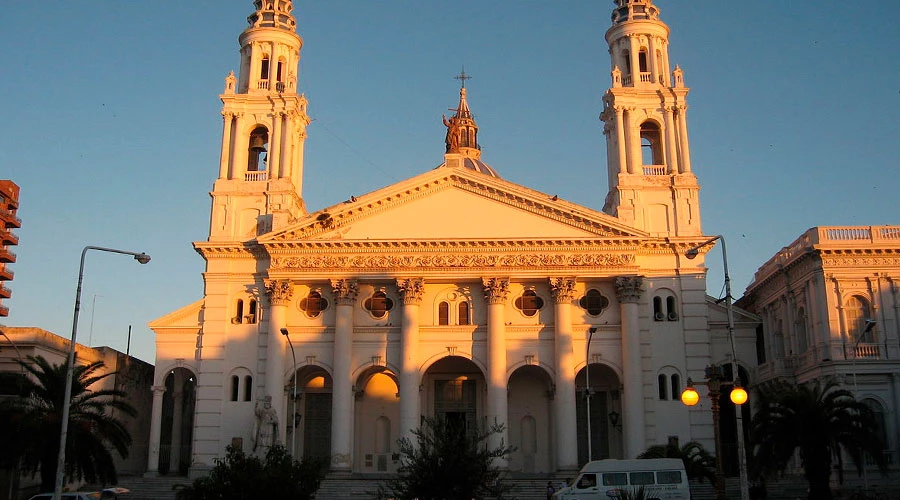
[629,289]
[279,292]
[394,261]
[412,290]
[345,291]
[495,290]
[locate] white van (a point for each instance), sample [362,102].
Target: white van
[661,478]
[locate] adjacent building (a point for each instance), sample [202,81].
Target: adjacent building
[9,205]
[454,293]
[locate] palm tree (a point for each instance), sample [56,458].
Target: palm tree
[818,422]
[698,463]
[32,424]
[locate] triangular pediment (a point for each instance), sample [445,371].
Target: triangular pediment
[189,316]
[454,204]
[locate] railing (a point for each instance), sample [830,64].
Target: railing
[646,77]
[654,170]
[256,176]
[626,80]
[867,351]
[11,219]
[5,292]
[6,255]
[263,85]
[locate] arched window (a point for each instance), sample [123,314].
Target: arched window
[658,314]
[463,311]
[256,151]
[878,415]
[251,311]
[856,312]
[529,303]
[671,313]
[235,386]
[444,313]
[313,304]
[264,68]
[378,304]
[800,331]
[676,386]
[662,383]
[248,387]
[593,302]
[626,57]
[651,144]
[239,312]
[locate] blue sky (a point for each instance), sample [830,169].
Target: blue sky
[111,126]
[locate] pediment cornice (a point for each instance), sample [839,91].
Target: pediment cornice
[328,222]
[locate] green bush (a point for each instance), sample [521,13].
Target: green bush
[246,477]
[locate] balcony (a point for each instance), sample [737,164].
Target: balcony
[866,351]
[7,238]
[256,176]
[654,169]
[10,219]
[5,292]
[4,311]
[6,274]
[6,256]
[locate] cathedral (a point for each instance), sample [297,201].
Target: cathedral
[455,293]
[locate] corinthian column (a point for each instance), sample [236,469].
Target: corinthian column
[566,428]
[345,292]
[412,290]
[496,291]
[279,292]
[629,291]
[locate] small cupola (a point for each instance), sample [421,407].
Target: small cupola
[462,148]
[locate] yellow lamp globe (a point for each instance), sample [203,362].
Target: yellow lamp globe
[690,397]
[738,395]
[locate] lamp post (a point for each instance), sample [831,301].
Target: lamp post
[286,333]
[737,393]
[690,398]
[70,369]
[587,389]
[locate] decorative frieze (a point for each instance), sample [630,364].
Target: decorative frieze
[450,260]
[279,292]
[345,291]
[495,290]
[562,289]
[629,289]
[412,290]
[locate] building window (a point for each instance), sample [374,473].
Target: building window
[239,310]
[264,68]
[313,304]
[668,384]
[665,310]
[593,302]
[256,152]
[662,383]
[676,386]
[248,387]
[235,385]
[856,311]
[378,304]
[251,312]
[651,144]
[671,313]
[463,311]
[444,313]
[529,303]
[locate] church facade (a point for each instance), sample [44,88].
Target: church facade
[337,331]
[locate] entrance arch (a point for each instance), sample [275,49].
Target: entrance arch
[176,431]
[310,433]
[454,388]
[377,421]
[530,420]
[606,439]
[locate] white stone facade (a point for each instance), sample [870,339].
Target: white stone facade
[454,293]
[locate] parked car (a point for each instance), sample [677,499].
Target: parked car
[106,494]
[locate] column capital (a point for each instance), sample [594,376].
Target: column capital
[412,290]
[562,289]
[158,390]
[495,289]
[279,292]
[629,289]
[345,291]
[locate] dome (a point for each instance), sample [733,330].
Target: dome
[471,164]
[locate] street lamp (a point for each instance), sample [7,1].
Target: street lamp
[587,389]
[70,369]
[690,397]
[737,393]
[287,335]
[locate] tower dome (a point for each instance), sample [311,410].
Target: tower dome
[462,148]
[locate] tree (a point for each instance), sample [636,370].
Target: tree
[698,463]
[817,422]
[32,422]
[245,477]
[447,462]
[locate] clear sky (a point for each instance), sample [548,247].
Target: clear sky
[110,124]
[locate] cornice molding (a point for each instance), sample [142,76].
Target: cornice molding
[491,262]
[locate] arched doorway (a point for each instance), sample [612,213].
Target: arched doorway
[176,432]
[377,422]
[605,404]
[309,429]
[530,425]
[455,392]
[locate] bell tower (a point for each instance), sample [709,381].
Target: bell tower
[651,185]
[264,128]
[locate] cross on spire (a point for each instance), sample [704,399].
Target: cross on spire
[462,77]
